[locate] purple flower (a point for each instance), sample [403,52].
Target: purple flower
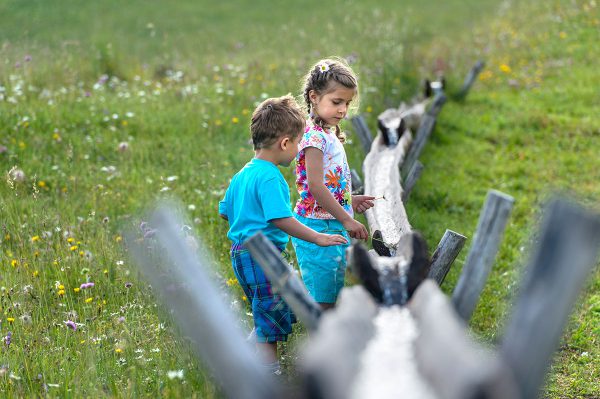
[71,325]
[128,285]
[27,58]
[8,338]
[86,285]
[121,319]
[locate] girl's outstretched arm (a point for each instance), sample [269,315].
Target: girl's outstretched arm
[316,186]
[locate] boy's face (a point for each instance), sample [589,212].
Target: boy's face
[289,149]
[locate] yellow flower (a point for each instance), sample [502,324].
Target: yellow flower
[118,238]
[35,238]
[10,319]
[218,122]
[230,282]
[81,253]
[486,75]
[235,119]
[73,247]
[562,35]
[124,123]
[61,292]
[42,184]
[245,111]
[505,68]
[7,237]
[22,145]
[70,239]
[61,287]
[119,350]
[244,298]
[14,263]
[55,263]
[242,81]
[76,289]
[35,273]
[82,341]
[105,271]
[36,253]
[369,109]
[56,136]
[88,300]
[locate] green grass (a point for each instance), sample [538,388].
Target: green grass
[180,91]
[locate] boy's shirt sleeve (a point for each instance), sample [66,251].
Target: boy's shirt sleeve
[274,194]
[223,205]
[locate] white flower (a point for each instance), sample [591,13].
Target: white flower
[324,67]
[175,374]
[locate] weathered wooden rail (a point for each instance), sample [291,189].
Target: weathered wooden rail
[395,334]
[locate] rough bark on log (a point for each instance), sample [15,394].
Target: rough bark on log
[480,259]
[411,180]
[330,359]
[454,365]
[567,251]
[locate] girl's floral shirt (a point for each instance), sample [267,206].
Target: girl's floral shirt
[336,172]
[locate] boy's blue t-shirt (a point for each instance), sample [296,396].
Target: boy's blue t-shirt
[257,194]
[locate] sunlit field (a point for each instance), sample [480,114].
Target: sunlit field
[106,107]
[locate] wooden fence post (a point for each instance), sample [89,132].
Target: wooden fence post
[446,252]
[423,132]
[197,308]
[567,250]
[411,180]
[470,79]
[363,132]
[284,279]
[358,186]
[488,235]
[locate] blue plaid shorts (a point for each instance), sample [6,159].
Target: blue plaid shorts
[273,318]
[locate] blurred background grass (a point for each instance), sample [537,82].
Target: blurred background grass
[177,82]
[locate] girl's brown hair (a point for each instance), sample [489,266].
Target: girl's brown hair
[321,78]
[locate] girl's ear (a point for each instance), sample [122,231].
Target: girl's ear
[313,96]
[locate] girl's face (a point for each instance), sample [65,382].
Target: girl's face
[332,107]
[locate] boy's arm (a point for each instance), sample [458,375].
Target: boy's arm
[298,230]
[223,216]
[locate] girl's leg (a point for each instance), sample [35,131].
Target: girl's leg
[267,351]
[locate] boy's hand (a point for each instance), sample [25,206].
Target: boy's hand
[327,240]
[356,229]
[360,203]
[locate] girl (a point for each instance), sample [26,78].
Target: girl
[326,203]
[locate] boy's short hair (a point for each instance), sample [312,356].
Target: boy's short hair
[275,118]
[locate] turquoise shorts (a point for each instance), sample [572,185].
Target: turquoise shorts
[322,268]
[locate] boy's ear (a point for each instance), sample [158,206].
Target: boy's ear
[284,143]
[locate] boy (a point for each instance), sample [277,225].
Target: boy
[258,199]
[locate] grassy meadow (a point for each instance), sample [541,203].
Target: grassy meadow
[106,107]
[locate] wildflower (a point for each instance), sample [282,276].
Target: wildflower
[235,119]
[26,319]
[175,374]
[230,282]
[119,350]
[86,285]
[324,67]
[61,287]
[105,219]
[88,300]
[505,68]
[14,263]
[118,238]
[10,319]
[42,184]
[35,238]
[70,240]
[61,292]
[562,35]
[76,289]
[7,339]
[123,146]
[73,248]
[17,175]
[369,109]
[71,325]
[128,285]
[35,273]
[121,319]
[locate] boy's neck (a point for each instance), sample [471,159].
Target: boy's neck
[267,155]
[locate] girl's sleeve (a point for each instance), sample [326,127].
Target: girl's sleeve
[313,138]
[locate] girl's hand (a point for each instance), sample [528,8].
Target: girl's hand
[356,229]
[360,203]
[327,240]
